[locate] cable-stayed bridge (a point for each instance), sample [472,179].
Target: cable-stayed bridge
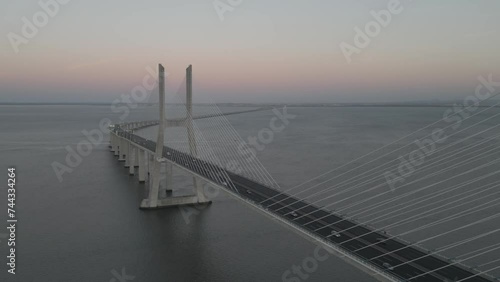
[381,254]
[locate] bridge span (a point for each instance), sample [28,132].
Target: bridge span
[371,251]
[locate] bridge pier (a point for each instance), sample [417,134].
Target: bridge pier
[116,143]
[136,156]
[132,159]
[154,199]
[190,132]
[126,152]
[152,166]
[112,142]
[142,164]
[167,188]
[150,158]
[121,149]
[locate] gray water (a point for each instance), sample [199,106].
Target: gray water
[89,225]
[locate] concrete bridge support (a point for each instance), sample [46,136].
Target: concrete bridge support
[116,144]
[122,150]
[132,158]
[126,152]
[142,164]
[150,158]
[190,132]
[136,156]
[166,183]
[154,199]
[169,184]
[112,143]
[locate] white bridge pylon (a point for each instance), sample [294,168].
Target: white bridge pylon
[150,163]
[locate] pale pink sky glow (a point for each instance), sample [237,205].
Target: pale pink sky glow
[93,51]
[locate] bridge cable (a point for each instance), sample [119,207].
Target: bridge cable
[394,142]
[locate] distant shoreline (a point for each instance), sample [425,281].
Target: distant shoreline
[312,105]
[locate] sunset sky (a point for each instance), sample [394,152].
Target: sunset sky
[263,51]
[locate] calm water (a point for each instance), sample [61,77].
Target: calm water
[83,228]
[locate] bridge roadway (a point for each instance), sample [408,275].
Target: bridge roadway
[391,252]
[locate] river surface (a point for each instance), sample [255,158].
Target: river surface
[88,227]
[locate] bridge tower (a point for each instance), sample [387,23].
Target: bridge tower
[154,199]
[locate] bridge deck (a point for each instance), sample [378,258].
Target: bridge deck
[356,239]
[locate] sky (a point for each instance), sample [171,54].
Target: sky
[255,51]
